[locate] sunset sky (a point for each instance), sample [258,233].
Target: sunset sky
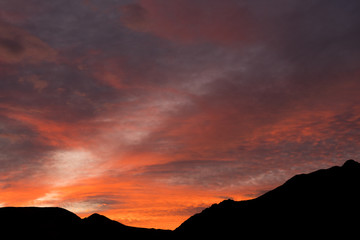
[148,111]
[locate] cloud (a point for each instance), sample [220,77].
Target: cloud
[214,174]
[190,21]
[217,175]
[22,151]
[11,46]
[19,45]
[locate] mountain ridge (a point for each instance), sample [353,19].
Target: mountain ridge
[323,203]
[327,195]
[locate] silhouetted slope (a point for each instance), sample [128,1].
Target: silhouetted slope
[325,203]
[99,226]
[40,223]
[37,216]
[100,220]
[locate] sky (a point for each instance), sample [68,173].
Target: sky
[148,111]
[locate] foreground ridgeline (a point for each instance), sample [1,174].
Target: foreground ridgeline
[324,203]
[318,205]
[58,223]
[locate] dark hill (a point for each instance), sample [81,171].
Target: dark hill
[100,220]
[58,223]
[39,222]
[324,203]
[39,216]
[100,227]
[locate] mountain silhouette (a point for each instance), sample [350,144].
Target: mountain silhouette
[59,223]
[39,223]
[100,220]
[324,203]
[100,227]
[321,204]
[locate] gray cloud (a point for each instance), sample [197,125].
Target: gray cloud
[91,204]
[22,151]
[202,173]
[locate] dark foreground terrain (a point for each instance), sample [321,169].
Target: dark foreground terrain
[318,205]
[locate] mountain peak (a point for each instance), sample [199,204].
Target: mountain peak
[96,216]
[351,164]
[98,219]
